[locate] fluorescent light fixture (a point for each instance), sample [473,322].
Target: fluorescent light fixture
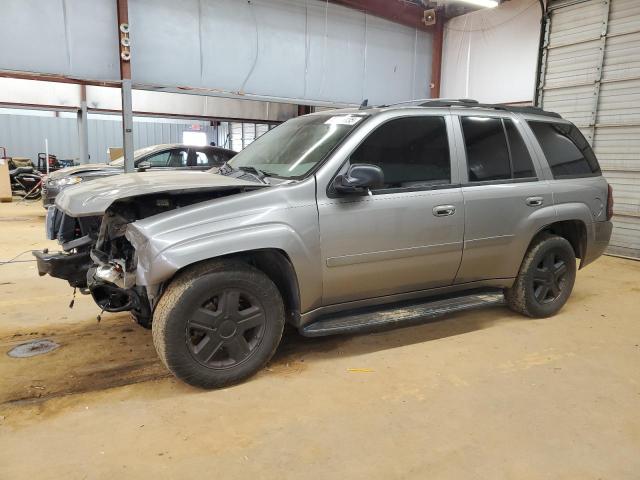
[482,3]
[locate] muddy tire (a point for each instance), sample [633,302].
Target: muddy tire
[546,278]
[218,323]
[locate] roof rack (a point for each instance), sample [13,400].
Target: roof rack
[469,103]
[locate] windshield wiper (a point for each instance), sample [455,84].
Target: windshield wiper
[259,173]
[225,169]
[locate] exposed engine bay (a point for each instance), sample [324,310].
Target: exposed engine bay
[98,259]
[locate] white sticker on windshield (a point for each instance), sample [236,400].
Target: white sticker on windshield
[343,120]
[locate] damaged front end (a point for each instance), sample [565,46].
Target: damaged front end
[98,259]
[111,278]
[76,237]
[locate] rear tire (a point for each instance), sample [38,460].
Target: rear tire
[218,323]
[546,278]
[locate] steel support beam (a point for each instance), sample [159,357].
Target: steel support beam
[125,89]
[83,131]
[436,55]
[398,11]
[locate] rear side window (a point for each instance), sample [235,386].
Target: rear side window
[411,151]
[520,158]
[495,150]
[566,149]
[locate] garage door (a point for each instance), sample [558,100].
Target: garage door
[591,75]
[242,134]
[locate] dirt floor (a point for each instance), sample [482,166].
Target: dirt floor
[484,394]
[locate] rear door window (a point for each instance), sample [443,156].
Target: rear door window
[567,151]
[208,157]
[178,158]
[202,160]
[495,150]
[487,150]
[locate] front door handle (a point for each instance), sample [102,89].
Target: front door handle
[534,201]
[444,210]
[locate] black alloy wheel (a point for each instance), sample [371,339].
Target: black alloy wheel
[549,277]
[546,277]
[224,331]
[218,322]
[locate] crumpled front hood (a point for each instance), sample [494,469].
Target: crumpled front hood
[93,198]
[89,167]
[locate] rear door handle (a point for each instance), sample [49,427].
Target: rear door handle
[534,201]
[444,210]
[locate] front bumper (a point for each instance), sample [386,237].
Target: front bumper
[72,267]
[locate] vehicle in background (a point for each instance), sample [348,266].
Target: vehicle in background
[339,221]
[156,157]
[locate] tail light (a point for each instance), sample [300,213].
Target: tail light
[609,202]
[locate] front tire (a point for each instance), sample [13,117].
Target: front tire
[218,323]
[546,278]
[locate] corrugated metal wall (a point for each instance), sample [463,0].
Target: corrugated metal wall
[310,50]
[23,135]
[591,75]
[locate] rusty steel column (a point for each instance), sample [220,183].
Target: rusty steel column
[125,85]
[436,55]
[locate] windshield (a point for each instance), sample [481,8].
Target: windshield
[295,147]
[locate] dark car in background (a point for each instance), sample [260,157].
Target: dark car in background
[156,157]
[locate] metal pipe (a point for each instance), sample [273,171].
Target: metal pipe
[543,26]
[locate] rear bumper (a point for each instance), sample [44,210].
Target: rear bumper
[72,267]
[599,243]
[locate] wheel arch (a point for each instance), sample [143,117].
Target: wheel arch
[574,231]
[275,264]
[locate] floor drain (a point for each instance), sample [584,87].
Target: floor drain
[31,349]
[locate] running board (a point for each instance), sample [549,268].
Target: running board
[405,314]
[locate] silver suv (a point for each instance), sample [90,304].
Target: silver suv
[338,221]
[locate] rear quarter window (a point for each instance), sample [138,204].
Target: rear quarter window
[567,151]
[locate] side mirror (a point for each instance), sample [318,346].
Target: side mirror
[359,178]
[143,165]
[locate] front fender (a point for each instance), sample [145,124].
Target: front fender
[196,234]
[157,266]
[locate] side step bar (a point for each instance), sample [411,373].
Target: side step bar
[398,315]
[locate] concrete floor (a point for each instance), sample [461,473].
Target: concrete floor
[483,394]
